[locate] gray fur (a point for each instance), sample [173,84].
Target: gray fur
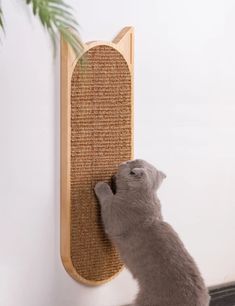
[153,252]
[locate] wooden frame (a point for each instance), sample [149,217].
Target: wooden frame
[123,42]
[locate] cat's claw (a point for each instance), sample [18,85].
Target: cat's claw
[102,189]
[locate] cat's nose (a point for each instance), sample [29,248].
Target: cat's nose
[113,183]
[113,178]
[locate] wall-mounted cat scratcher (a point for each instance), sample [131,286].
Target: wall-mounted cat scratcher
[96,135]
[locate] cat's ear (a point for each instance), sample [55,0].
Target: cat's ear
[159,178]
[137,172]
[162,175]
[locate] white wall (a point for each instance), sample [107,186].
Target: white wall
[184,123]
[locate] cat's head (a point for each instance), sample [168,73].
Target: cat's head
[138,175]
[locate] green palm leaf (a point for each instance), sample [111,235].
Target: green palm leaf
[1,20]
[56,16]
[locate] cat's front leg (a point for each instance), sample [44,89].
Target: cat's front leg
[104,194]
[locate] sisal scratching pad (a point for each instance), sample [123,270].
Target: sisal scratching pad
[96,136]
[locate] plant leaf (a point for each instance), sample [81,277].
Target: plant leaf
[1,19]
[56,16]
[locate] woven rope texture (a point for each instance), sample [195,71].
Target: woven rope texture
[100,140]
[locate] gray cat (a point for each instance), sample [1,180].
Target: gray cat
[150,248]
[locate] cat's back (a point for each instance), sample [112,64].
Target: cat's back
[158,259]
[166,253]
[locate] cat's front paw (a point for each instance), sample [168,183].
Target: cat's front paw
[102,189]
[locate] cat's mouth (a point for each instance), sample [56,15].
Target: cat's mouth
[113,183]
